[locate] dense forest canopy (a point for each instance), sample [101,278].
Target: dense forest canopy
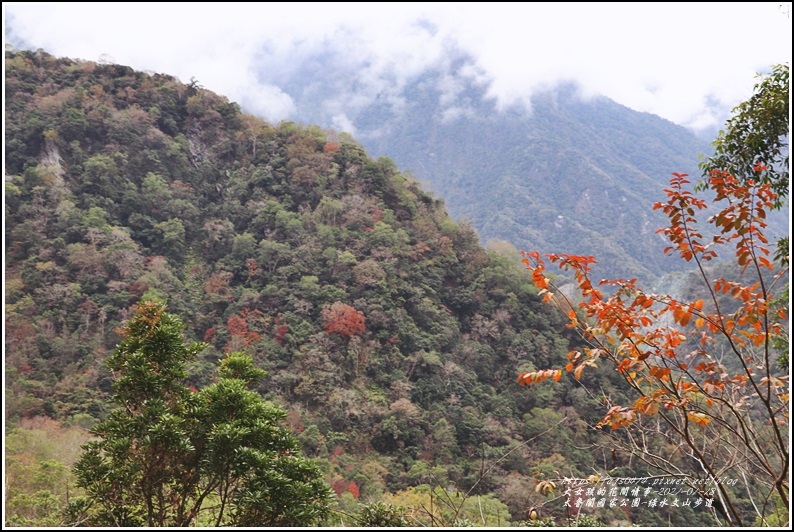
[390,337]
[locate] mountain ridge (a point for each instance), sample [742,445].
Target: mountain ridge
[517,174]
[123,186]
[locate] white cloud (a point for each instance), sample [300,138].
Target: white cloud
[687,62]
[266,101]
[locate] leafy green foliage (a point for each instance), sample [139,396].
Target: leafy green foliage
[168,456]
[436,506]
[584,521]
[757,134]
[379,514]
[38,477]
[754,144]
[250,230]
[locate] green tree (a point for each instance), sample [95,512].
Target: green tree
[378,514]
[426,505]
[39,454]
[757,134]
[754,143]
[173,456]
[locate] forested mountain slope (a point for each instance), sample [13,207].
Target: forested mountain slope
[278,240]
[576,174]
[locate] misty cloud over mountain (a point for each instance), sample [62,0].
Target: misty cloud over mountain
[349,90]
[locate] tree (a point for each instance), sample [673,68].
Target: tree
[705,369]
[378,514]
[756,136]
[170,456]
[343,320]
[427,505]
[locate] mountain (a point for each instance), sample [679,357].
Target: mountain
[571,174]
[389,334]
[122,186]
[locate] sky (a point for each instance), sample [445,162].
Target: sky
[687,62]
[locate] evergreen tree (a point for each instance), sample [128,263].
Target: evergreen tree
[172,456]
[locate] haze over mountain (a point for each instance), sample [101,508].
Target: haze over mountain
[567,173]
[413,80]
[631,53]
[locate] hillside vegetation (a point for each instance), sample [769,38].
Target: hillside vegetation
[389,335]
[573,174]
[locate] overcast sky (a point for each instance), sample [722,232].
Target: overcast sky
[687,62]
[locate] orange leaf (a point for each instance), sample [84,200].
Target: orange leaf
[697,417]
[758,339]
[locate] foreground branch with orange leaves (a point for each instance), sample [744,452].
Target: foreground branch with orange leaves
[706,368]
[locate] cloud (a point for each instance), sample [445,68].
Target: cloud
[687,62]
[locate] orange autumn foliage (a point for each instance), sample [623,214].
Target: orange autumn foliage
[666,348]
[343,320]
